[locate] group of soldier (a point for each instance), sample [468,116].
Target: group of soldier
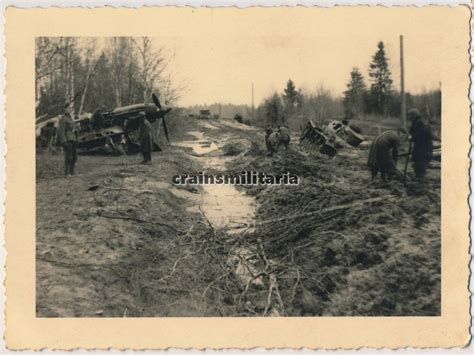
[65,135]
[276,138]
[384,150]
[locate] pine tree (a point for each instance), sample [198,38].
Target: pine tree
[274,110]
[292,100]
[290,95]
[380,77]
[354,95]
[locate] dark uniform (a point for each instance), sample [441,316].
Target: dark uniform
[146,139]
[67,138]
[383,155]
[273,143]
[422,144]
[284,136]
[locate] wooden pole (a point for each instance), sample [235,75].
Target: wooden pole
[402,87]
[253,106]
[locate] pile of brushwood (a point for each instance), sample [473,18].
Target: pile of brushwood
[338,244]
[335,245]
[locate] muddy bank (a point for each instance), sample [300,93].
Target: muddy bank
[118,240]
[97,250]
[345,245]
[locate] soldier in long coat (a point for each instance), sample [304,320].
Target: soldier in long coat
[273,143]
[422,144]
[284,136]
[66,135]
[146,139]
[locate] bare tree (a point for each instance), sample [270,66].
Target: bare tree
[120,53]
[151,63]
[92,72]
[70,58]
[47,62]
[323,102]
[90,55]
[171,90]
[55,62]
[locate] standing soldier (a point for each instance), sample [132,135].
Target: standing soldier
[273,143]
[146,139]
[68,140]
[284,136]
[422,144]
[383,154]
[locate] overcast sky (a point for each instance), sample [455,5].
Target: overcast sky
[217,72]
[220,53]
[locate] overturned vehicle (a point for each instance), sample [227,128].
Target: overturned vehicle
[113,131]
[330,138]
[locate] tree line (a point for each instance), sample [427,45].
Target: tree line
[378,99]
[93,73]
[119,71]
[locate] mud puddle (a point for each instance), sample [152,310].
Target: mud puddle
[223,205]
[226,208]
[229,209]
[200,145]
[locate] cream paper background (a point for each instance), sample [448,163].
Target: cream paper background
[450,27]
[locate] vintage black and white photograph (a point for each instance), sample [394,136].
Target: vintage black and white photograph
[239,174]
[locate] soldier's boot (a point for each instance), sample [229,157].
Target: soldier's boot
[71,169]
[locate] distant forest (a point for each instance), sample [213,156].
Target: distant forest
[119,71]
[363,99]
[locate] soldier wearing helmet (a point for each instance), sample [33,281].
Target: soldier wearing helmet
[422,143]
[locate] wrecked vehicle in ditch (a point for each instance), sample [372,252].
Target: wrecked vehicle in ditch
[330,138]
[114,131]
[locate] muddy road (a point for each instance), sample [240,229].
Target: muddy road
[120,240]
